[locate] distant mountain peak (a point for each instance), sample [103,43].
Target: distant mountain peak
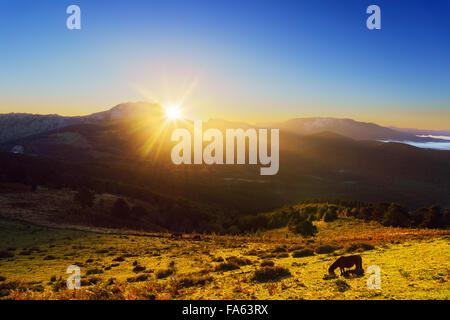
[330,136]
[345,127]
[127,109]
[19,125]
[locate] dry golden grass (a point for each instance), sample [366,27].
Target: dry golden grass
[414,263]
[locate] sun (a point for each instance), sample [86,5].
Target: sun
[173,112]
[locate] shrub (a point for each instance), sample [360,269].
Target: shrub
[85,198]
[120,208]
[234,230]
[139,211]
[279,255]
[447,218]
[253,222]
[359,247]
[58,285]
[227,266]
[192,281]
[330,215]
[119,259]
[302,253]
[93,271]
[5,254]
[239,261]
[90,281]
[253,252]
[303,227]
[342,286]
[365,213]
[280,218]
[164,273]
[353,213]
[396,216]
[418,216]
[280,249]
[267,263]
[268,273]
[325,249]
[217,259]
[139,278]
[138,268]
[433,218]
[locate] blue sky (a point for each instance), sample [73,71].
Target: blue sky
[237,59]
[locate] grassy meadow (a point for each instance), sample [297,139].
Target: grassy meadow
[414,263]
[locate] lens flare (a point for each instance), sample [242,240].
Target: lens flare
[173,112]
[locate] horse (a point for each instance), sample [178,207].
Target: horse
[358,272]
[346,262]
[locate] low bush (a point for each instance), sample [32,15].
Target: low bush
[227,266]
[342,286]
[94,271]
[325,249]
[138,268]
[280,249]
[267,263]
[268,273]
[164,273]
[5,254]
[139,278]
[188,282]
[302,253]
[239,261]
[359,247]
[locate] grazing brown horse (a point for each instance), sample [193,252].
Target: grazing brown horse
[346,262]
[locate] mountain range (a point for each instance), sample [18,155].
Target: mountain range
[19,125]
[322,158]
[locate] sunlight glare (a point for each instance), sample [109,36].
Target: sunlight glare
[173,112]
